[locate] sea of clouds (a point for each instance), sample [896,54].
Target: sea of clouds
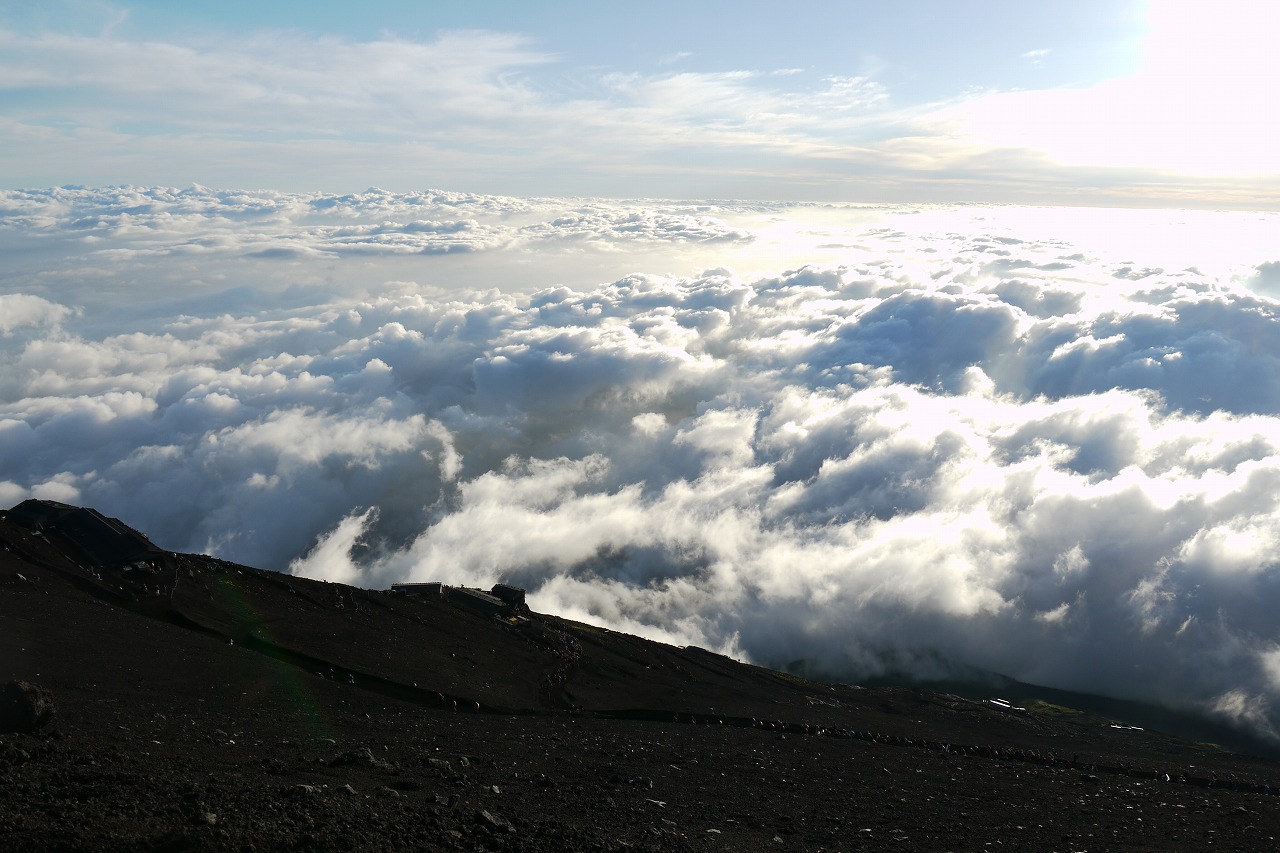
[1035,441]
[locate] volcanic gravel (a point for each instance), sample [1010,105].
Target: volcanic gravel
[207,706]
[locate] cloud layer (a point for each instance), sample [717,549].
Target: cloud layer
[994,445]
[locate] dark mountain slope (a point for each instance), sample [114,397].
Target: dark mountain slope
[203,705]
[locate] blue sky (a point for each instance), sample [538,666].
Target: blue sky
[913,43]
[1125,102]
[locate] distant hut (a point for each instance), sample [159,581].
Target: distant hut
[36,514]
[512,595]
[106,542]
[425,589]
[478,599]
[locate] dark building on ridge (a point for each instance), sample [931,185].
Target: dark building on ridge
[106,542]
[512,595]
[502,600]
[38,515]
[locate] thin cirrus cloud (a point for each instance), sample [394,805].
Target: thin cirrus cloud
[503,112]
[276,80]
[988,437]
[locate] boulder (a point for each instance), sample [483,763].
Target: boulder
[25,707]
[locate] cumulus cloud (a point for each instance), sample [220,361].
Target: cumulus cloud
[1267,279]
[19,310]
[147,224]
[609,226]
[1016,448]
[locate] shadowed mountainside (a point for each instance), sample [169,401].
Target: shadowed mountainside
[206,705]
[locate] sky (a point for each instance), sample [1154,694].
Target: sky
[911,337]
[1167,103]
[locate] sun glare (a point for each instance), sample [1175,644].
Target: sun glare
[1202,103]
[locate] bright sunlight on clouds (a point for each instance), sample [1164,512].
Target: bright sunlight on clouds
[1170,104]
[1041,441]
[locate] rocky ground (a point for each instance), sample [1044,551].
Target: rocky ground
[208,706]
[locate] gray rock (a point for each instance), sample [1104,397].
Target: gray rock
[25,707]
[363,757]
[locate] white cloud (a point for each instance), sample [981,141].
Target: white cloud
[985,435]
[18,310]
[330,559]
[275,80]
[287,109]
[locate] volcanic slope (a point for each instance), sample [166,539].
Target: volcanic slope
[203,705]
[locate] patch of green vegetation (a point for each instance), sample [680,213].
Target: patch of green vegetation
[1049,709]
[791,677]
[1216,747]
